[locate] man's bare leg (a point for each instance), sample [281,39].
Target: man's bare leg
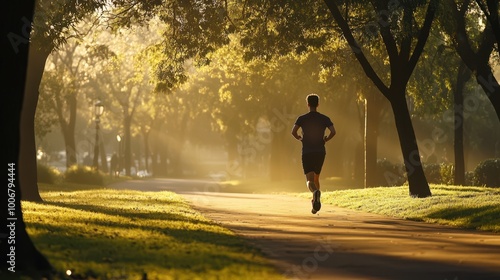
[313,186]
[311,182]
[316,181]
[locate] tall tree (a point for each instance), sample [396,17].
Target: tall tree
[491,10]
[404,45]
[18,253]
[474,46]
[54,22]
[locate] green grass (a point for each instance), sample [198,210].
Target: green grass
[459,206]
[99,233]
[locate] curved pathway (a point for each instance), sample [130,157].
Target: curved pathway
[338,243]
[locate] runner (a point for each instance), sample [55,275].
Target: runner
[313,125]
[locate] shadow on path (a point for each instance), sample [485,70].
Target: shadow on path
[339,243]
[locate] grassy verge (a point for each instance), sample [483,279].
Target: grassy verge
[98,233]
[465,207]
[459,206]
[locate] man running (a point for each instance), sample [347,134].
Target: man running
[313,125]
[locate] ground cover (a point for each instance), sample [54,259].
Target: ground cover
[459,206]
[92,232]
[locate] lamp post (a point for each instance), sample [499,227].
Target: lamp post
[98,110]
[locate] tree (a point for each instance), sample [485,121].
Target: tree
[402,62]
[474,46]
[62,85]
[18,253]
[491,10]
[54,22]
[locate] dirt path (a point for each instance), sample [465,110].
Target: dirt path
[339,243]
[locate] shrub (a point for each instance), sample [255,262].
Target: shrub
[432,173]
[439,173]
[487,173]
[389,174]
[470,179]
[47,174]
[447,171]
[84,175]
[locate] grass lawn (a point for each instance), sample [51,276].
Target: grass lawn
[99,233]
[460,206]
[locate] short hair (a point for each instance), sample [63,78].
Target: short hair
[312,100]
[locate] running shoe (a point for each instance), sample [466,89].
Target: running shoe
[316,203]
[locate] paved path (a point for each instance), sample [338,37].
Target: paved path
[339,243]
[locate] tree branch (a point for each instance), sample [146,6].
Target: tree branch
[422,36]
[332,6]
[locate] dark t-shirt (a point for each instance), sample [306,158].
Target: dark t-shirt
[313,126]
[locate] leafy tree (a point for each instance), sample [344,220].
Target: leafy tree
[20,256]
[491,10]
[404,43]
[61,85]
[403,28]
[474,46]
[54,22]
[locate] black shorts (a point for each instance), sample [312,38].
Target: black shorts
[313,162]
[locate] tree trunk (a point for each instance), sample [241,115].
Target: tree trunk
[372,119]
[21,255]
[418,186]
[128,137]
[68,130]
[104,159]
[488,82]
[69,140]
[277,159]
[146,150]
[27,155]
[463,76]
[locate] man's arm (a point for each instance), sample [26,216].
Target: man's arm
[332,133]
[295,129]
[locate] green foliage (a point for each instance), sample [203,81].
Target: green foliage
[389,174]
[439,173]
[84,175]
[487,173]
[469,178]
[447,171]
[48,174]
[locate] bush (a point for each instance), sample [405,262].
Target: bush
[470,179]
[442,173]
[487,173]
[389,174]
[447,171]
[432,173]
[84,175]
[47,174]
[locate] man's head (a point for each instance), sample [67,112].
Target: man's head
[312,100]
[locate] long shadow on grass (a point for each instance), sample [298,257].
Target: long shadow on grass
[127,213]
[120,253]
[109,243]
[133,215]
[472,217]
